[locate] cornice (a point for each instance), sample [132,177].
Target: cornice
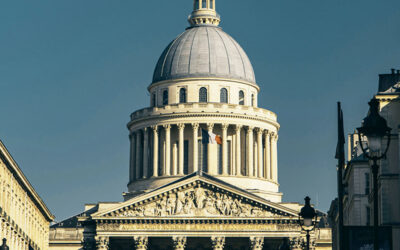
[19,175]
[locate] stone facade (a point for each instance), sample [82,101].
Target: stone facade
[203,170]
[24,218]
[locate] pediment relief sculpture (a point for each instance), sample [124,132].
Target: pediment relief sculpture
[198,201]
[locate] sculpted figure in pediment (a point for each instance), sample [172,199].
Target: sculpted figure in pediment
[197,201]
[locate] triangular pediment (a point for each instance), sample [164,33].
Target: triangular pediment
[197,196]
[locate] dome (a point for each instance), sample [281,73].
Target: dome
[204,51]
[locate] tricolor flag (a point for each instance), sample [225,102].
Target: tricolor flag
[210,137]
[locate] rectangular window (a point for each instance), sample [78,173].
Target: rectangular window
[367,184]
[186,157]
[368,216]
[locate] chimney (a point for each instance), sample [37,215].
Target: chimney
[393,71]
[398,72]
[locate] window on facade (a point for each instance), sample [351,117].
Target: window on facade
[182,95]
[204,4]
[165,97]
[153,100]
[224,95]
[367,184]
[241,97]
[252,100]
[211,4]
[368,216]
[203,95]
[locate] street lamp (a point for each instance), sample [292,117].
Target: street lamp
[4,246]
[375,128]
[307,219]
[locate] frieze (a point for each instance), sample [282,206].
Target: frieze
[199,202]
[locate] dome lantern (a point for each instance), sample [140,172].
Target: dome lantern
[204,13]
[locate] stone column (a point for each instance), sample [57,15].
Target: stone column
[181,128]
[138,157]
[218,242]
[174,159]
[155,151]
[167,150]
[238,151]
[132,157]
[267,155]
[210,128]
[102,242]
[224,149]
[195,147]
[141,242]
[259,153]
[179,242]
[256,243]
[249,155]
[145,153]
[274,166]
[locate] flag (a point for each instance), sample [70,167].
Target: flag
[210,137]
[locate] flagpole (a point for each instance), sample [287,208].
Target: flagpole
[340,157]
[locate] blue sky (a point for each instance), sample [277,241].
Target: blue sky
[71,72]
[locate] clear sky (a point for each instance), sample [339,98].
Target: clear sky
[72,71]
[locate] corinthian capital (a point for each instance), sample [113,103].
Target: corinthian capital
[179,242]
[167,126]
[256,243]
[195,126]
[102,242]
[141,242]
[181,126]
[218,242]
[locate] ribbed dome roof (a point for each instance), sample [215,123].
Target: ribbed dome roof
[204,51]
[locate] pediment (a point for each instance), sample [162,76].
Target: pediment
[198,197]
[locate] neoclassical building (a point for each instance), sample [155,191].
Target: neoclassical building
[24,218]
[203,168]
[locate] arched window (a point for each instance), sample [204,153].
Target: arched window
[224,95]
[203,95]
[182,95]
[252,100]
[241,97]
[165,97]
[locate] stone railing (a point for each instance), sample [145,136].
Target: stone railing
[202,108]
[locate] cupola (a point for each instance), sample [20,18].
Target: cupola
[204,13]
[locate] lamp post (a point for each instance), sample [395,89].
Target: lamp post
[4,246]
[307,219]
[375,128]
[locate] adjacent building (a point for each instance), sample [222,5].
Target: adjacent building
[24,218]
[357,179]
[203,161]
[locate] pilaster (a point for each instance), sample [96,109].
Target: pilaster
[256,243]
[102,242]
[181,128]
[155,150]
[238,151]
[167,171]
[195,154]
[145,153]
[179,242]
[218,242]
